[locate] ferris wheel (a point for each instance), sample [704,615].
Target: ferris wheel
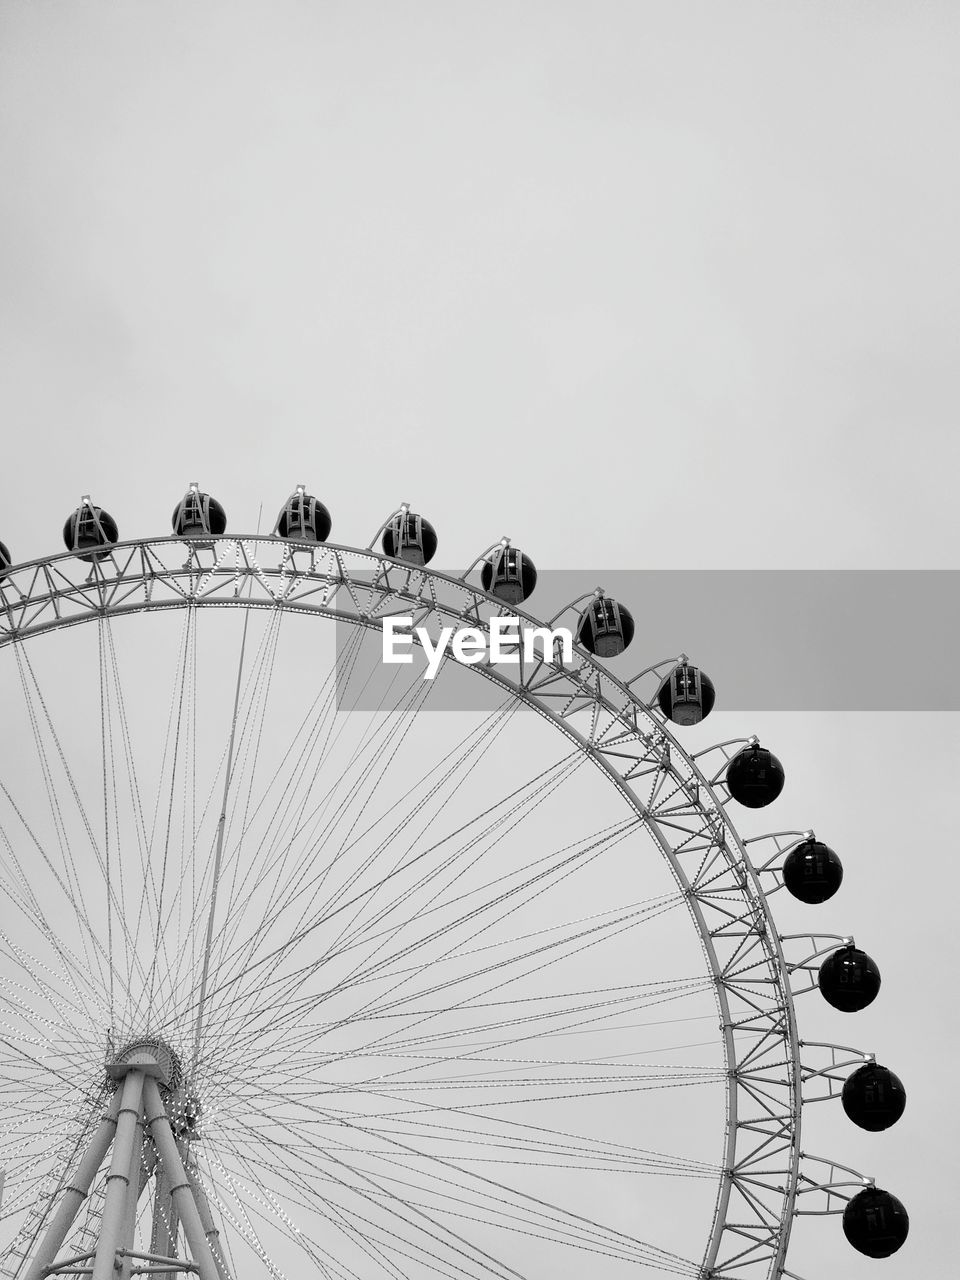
[301,976]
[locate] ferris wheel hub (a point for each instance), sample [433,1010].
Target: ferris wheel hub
[151,1056]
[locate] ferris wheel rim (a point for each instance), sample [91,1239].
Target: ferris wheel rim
[626,704]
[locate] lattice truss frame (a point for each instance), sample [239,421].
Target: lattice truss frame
[679,798]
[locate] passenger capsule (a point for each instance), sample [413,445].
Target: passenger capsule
[812,871]
[875,1223]
[873,1097]
[849,979]
[755,776]
[410,537]
[509,575]
[605,628]
[687,695]
[5,561]
[90,532]
[197,515]
[304,518]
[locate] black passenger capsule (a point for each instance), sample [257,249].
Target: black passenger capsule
[812,871]
[687,695]
[605,628]
[873,1097]
[197,515]
[849,979]
[304,518]
[5,561]
[755,776]
[90,532]
[875,1223]
[509,575]
[410,537]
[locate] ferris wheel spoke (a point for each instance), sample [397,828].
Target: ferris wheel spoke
[40,987]
[563,1022]
[436,794]
[40,720]
[39,716]
[504,1087]
[224,1187]
[328,913]
[73,965]
[410,1233]
[178,747]
[89,935]
[573,1236]
[257,702]
[48,1032]
[119,742]
[290,980]
[241,1195]
[357,789]
[280,954]
[74,973]
[469,917]
[455,865]
[596,933]
[238,1216]
[299,1074]
[261,867]
[452,1128]
[493,1200]
[320,739]
[407,1021]
[495,1139]
[319,743]
[277,1097]
[377,1008]
[174,882]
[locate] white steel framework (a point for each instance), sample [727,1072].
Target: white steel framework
[679,800]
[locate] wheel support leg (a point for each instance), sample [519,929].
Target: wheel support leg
[75,1193]
[116,1200]
[163,1239]
[206,1217]
[135,1185]
[181,1190]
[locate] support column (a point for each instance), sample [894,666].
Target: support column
[206,1217]
[163,1239]
[75,1193]
[181,1191]
[135,1183]
[115,1203]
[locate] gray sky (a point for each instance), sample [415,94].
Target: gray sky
[640,285]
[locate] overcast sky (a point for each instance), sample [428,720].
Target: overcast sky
[641,285]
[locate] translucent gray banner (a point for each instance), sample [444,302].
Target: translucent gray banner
[772,640]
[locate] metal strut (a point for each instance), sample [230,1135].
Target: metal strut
[74,1194]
